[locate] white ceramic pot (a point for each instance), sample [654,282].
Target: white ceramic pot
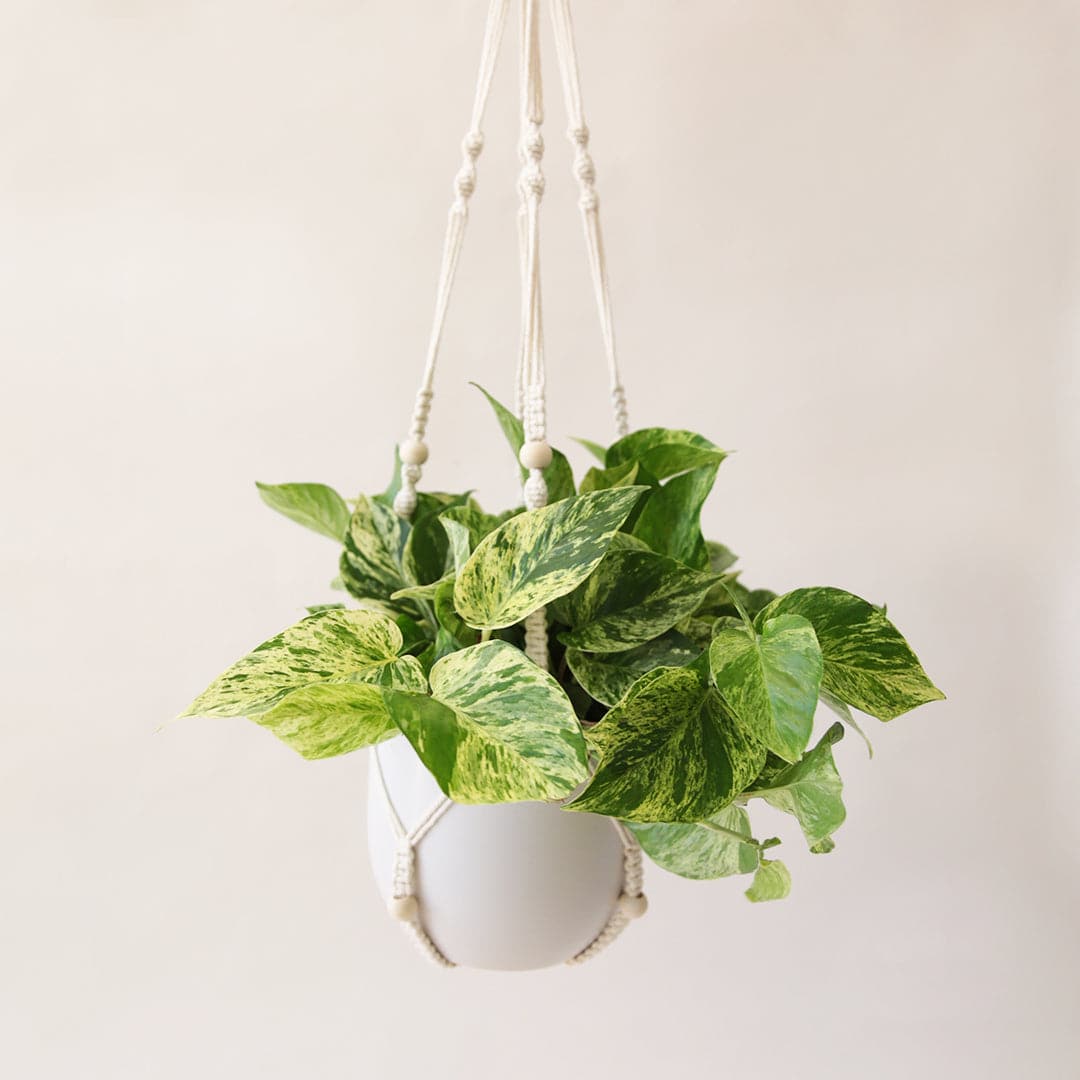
[508,887]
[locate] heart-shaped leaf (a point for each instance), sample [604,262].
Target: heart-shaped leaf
[371,563]
[771,882]
[330,646]
[810,790]
[664,451]
[771,680]
[497,728]
[631,598]
[315,506]
[539,556]
[868,664]
[670,519]
[607,677]
[670,751]
[702,850]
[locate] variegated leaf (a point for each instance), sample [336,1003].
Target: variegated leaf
[426,556]
[328,719]
[670,519]
[315,506]
[631,598]
[841,709]
[331,646]
[771,680]
[448,618]
[538,556]
[371,562]
[670,751]
[771,882]
[868,664]
[702,850]
[607,677]
[558,476]
[721,558]
[599,452]
[497,728]
[664,451]
[465,527]
[810,790]
[602,479]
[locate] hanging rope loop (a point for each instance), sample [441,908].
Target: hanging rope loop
[414,451]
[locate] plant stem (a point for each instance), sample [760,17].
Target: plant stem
[761,845]
[485,635]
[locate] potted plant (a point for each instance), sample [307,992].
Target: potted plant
[677,695]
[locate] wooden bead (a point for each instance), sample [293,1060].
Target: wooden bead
[413,452]
[404,908]
[633,907]
[535,455]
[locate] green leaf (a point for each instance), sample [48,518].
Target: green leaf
[810,790]
[868,664]
[332,646]
[770,681]
[703,850]
[465,527]
[840,708]
[314,609]
[670,520]
[386,498]
[315,506]
[448,618]
[328,719]
[538,556]
[599,452]
[670,751]
[771,882]
[604,479]
[497,728]
[665,452]
[426,556]
[608,677]
[721,558]
[371,562]
[558,476]
[631,598]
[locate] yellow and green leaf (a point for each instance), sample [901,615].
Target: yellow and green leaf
[315,506]
[631,598]
[608,676]
[497,728]
[538,556]
[867,662]
[770,680]
[701,850]
[333,646]
[670,751]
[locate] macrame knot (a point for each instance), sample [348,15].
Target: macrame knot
[536,490]
[405,501]
[584,168]
[618,402]
[532,145]
[532,181]
[579,135]
[473,144]
[465,181]
[589,201]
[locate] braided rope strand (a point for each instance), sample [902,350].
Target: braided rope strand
[589,201]
[414,450]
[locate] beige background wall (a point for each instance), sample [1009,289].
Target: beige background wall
[843,239]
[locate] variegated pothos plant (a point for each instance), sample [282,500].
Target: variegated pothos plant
[676,696]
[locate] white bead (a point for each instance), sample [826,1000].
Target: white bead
[404,908]
[413,452]
[535,455]
[633,907]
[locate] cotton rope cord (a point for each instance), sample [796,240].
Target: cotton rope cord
[589,202]
[535,453]
[414,450]
[531,390]
[404,903]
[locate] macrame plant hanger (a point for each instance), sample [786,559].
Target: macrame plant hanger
[530,384]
